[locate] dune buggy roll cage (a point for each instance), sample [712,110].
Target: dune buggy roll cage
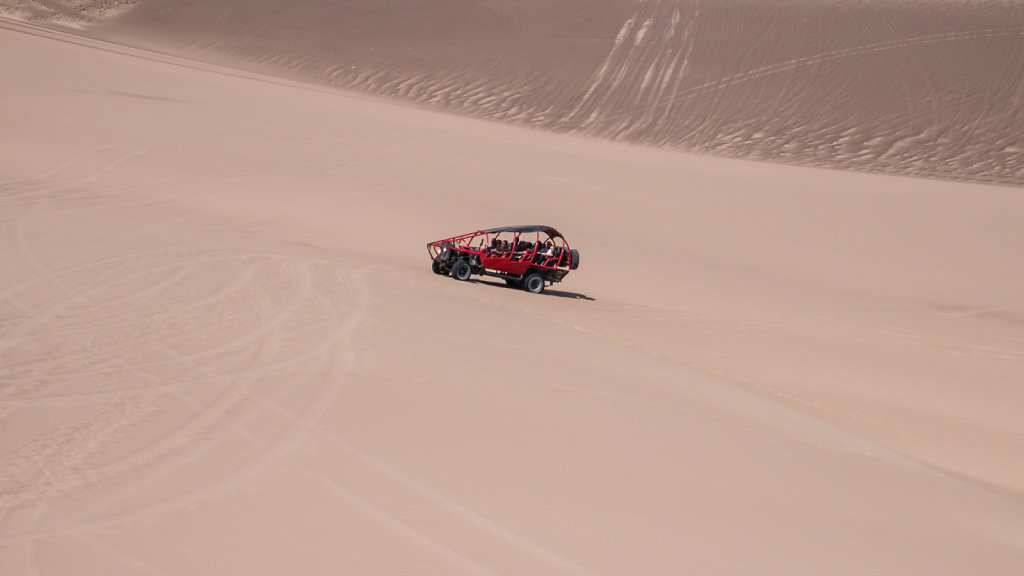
[533,256]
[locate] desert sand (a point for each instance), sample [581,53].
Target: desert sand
[222,350]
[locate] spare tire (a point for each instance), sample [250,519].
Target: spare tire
[575,262]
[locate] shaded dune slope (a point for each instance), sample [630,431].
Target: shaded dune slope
[922,88]
[65,12]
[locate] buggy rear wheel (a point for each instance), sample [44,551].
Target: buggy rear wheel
[534,283]
[435,265]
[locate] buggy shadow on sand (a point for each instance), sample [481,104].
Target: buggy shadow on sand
[530,257]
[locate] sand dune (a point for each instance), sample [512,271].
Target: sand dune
[222,350]
[917,88]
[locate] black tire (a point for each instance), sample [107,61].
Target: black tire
[461,270]
[533,283]
[575,262]
[437,268]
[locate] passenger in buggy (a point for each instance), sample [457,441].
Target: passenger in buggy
[544,252]
[523,250]
[493,248]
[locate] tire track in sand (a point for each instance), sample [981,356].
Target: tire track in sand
[121,410]
[650,53]
[327,378]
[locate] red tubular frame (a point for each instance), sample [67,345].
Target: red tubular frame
[507,263]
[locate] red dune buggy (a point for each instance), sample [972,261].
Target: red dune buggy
[530,257]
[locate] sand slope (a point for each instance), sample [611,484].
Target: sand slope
[222,350]
[920,88]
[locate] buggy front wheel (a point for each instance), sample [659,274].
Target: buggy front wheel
[461,270]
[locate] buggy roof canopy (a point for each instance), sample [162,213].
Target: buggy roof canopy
[520,229]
